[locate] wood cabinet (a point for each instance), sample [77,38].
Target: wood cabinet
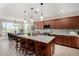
[71,41]
[75,42]
[74,22]
[46,22]
[68,23]
[39,25]
[78,42]
[52,24]
[58,39]
[67,40]
[36,25]
[63,23]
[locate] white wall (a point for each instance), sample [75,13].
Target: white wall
[0,27]
[50,10]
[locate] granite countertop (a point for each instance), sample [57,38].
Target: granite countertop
[41,38]
[64,34]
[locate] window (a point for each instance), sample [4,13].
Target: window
[9,27]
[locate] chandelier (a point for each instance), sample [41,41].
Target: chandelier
[34,12]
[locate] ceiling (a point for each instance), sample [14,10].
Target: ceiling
[12,11]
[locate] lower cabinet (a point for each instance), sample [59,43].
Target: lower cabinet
[58,39]
[78,42]
[71,41]
[67,40]
[75,42]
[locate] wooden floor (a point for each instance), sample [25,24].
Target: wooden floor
[7,48]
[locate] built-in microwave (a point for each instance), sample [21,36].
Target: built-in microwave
[46,26]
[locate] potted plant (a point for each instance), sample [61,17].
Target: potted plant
[29,34]
[78,33]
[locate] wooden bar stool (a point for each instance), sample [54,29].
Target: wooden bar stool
[29,47]
[39,48]
[17,40]
[22,44]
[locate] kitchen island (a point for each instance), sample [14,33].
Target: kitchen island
[47,41]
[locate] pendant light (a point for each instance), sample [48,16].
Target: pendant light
[31,14]
[25,16]
[41,12]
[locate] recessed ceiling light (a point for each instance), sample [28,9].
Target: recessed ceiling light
[37,9]
[62,11]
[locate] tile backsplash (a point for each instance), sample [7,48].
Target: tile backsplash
[58,31]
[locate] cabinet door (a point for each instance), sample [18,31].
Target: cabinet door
[78,42]
[63,23]
[41,25]
[36,25]
[67,40]
[58,39]
[52,24]
[75,22]
[75,42]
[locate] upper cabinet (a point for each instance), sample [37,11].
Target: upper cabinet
[53,24]
[74,22]
[38,25]
[41,25]
[63,23]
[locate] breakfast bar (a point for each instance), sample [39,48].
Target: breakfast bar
[47,41]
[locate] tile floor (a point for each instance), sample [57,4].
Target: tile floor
[65,51]
[7,48]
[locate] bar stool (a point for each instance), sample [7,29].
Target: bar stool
[29,47]
[22,44]
[9,36]
[17,40]
[39,48]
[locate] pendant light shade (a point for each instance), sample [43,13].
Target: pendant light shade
[32,14]
[41,17]
[41,3]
